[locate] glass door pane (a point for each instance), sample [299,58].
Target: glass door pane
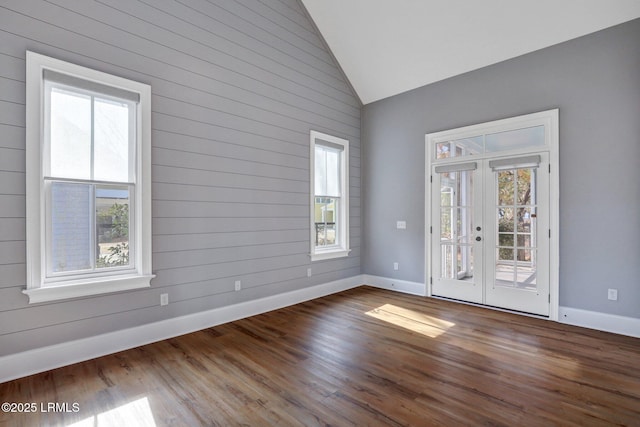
[456,224]
[517,244]
[454,204]
[516,228]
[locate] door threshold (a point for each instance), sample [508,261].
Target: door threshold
[505,310]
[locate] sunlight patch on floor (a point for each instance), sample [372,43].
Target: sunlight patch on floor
[429,326]
[133,414]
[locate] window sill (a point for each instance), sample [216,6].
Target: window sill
[89,287]
[319,256]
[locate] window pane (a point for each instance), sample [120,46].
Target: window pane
[326,213]
[468,146]
[505,220]
[526,186]
[464,188]
[505,239]
[526,270]
[70,227]
[505,188]
[505,273]
[446,224]
[524,220]
[446,195]
[466,262]
[443,150]
[519,138]
[327,171]
[505,254]
[446,267]
[112,226]
[524,255]
[70,137]
[460,148]
[320,171]
[448,182]
[111,141]
[333,173]
[464,225]
[524,240]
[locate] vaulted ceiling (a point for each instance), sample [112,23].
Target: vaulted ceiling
[386,47]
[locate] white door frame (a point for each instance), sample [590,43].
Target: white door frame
[549,119]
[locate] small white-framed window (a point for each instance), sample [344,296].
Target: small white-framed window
[88,176]
[329,196]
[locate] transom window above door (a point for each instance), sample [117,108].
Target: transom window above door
[519,136]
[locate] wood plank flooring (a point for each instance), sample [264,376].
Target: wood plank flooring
[360,357]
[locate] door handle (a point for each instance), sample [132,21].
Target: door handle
[478,238]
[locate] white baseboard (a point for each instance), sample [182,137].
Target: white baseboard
[413,288]
[601,321]
[43,359]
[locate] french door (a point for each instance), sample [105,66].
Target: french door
[490,232]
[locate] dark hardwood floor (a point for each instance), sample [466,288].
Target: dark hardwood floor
[361,357]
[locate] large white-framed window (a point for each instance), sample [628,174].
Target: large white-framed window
[329,196]
[88,181]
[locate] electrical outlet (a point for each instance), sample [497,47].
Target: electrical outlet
[401,225]
[164,299]
[612,294]
[238,285]
[308,272]
[395,266]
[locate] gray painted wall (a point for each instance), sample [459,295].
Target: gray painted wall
[595,82]
[237,85]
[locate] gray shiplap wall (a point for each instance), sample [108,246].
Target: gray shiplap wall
[237,85]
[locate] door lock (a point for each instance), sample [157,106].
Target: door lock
[478,238]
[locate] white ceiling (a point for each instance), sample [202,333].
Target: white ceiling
[386,47]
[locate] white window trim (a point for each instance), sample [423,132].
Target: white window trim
[341,249]
[37,290]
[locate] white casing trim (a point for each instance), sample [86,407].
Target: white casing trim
[600,321]
[82,288]
[413,288]
[550,119]
[321,256]
[45,358]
